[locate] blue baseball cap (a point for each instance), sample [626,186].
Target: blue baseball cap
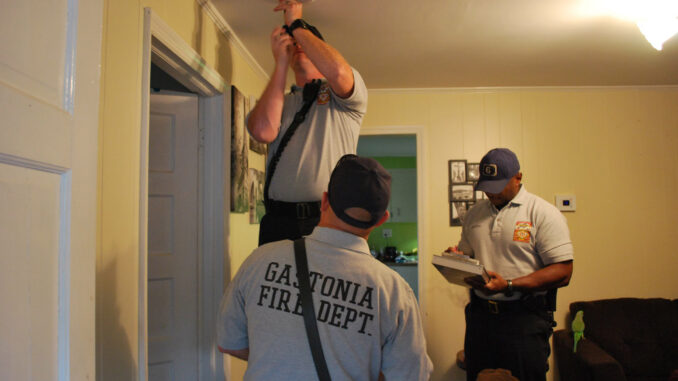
[497,167]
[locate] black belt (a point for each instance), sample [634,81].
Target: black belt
[530,303]
[298,210]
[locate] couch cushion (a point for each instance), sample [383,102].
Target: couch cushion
[642,334]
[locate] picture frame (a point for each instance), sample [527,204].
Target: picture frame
[462,192]
[463,177]
[239,149]
[255,182]
[458,212]
[454,216]
[472,171]
[457,171]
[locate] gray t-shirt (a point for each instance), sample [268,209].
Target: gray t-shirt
[524,236]
[330,131]
[368,317]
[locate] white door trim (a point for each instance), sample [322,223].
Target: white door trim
[166,49]
[420,135]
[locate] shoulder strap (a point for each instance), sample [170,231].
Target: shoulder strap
[310,93]
[308,310]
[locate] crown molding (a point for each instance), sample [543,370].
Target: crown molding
[227,31]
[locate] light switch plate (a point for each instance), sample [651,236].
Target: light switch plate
[387,233]
[566,202]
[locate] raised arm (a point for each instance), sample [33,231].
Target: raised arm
[326,59]
[264,120]
[242,354]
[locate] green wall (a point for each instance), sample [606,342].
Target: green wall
[404,237]
[404,234]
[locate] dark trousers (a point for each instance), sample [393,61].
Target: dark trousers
[275,227]
[517,340]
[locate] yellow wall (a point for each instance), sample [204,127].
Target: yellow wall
[614,148]
[117,257]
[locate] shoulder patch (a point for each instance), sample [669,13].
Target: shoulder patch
[324,94]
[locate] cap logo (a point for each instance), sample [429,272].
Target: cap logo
[490,170]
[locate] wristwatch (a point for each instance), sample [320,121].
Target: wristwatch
[298,23]
[509,288]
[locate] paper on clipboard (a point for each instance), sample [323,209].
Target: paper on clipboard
[456,267]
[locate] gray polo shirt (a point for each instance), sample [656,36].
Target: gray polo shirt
[524,236]
[368,317]
[330,131]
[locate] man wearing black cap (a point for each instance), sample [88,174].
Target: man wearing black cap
[367,315]
[524,243]
[308,130]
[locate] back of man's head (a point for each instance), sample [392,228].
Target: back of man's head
[359,191]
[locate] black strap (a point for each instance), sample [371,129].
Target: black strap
[311,90]
[308,310]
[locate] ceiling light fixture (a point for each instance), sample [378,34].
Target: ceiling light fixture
[658,30]
[656,19]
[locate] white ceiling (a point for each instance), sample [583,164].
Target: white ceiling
[468,43]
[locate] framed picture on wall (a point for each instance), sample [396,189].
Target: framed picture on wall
[457,171]
[472,171]
[458,212]
[462,192]
[454,216]
[255,192]
[239,148]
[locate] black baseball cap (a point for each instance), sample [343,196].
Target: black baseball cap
[497,167]
[359,182]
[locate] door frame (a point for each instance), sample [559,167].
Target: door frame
[420,135]
[165,48]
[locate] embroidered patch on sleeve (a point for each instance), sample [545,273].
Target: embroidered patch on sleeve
[324,94]
[522,231]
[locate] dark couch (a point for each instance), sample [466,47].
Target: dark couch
[625,339]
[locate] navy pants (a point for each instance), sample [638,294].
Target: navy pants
[515,340]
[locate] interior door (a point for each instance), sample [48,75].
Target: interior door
[49,98]
[173,238]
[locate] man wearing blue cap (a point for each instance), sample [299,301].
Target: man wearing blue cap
[524,243]
[368,320]
[308,129]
